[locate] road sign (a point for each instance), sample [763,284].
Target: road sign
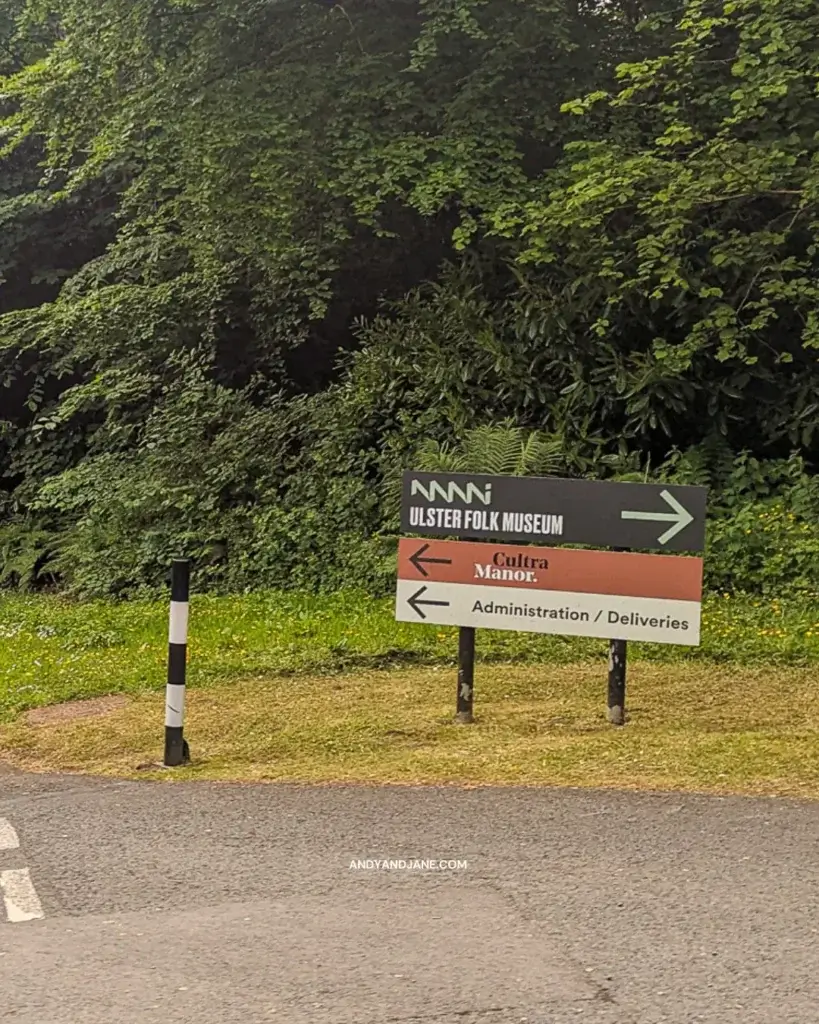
[554,510]
[610,594]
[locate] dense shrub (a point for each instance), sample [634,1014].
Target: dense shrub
[763,535]
[565,217]
[304,495]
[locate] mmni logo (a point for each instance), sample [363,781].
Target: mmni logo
[452,492]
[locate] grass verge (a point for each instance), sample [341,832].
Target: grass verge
[54,650]
[691,727]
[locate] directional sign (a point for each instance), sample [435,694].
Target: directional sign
[554,510]
[610,594]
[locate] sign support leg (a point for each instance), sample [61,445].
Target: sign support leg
[617,682]
[466,674]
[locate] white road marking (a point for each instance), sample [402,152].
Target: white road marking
[20,896]
[8,837]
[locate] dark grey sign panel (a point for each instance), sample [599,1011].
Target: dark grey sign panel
[553,510]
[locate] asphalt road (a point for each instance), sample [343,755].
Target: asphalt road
[193,903]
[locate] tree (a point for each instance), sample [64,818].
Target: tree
[363,225]
[687,219]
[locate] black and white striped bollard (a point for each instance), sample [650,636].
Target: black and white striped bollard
[176,747]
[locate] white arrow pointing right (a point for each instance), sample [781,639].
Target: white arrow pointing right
[680,517]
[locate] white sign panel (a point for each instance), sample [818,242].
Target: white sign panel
[655,620]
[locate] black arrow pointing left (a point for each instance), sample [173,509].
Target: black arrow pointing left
[415,602]
[419,561]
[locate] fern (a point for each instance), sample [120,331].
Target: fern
[26,552]
[503,450]
[436,457]
[709,464]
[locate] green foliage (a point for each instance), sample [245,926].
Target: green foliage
[764,537]
[27,553]
[187,487]
[258,257]
[764,547]
[503,450]
[688,219]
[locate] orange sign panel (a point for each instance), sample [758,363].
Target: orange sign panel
[673,577]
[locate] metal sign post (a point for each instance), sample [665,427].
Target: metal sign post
[466,675]
[618,650]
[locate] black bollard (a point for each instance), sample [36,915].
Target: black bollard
[176,746]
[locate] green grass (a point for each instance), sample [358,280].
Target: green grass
[53,650]
[709,728]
